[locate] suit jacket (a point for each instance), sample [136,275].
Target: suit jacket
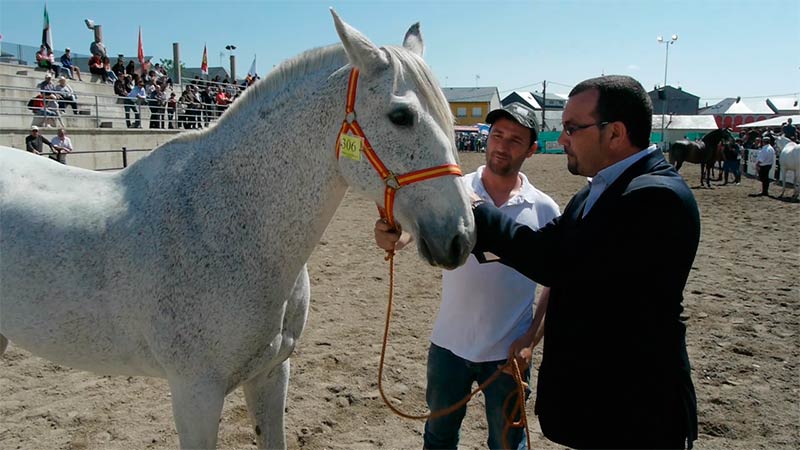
[614,370]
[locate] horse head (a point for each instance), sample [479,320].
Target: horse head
[407,127]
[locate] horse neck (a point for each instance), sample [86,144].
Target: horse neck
[269,165]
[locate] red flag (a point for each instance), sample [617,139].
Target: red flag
[204,64]
[141,49]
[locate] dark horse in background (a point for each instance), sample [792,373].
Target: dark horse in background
[705,152]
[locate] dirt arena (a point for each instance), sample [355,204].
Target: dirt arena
[742,310]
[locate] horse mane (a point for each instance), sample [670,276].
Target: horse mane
[318,58]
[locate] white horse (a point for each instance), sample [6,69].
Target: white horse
[790,162]
[191,264]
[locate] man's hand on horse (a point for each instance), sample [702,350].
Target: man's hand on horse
[389,238]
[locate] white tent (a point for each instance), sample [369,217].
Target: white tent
[773,122]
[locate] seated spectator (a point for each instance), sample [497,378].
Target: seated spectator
[66,96]
[96,67]
[34,141]
[109,73]
[191,108]
[130,69]
[46,60]
[61,145]
[47,86]
[68,67]
[119,67]
[222,101]
[121,86]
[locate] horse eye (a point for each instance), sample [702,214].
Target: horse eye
[401,117]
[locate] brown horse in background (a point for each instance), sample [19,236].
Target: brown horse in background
[705,152]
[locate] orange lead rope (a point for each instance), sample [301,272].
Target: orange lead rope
[393,182]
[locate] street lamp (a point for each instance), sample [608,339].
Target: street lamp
[665,100]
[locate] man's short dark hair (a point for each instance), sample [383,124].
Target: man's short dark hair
[622,98]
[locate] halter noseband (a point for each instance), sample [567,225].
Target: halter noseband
[392,181]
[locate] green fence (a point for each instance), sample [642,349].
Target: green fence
[548,141]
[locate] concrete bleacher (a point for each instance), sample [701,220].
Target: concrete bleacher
[100,124]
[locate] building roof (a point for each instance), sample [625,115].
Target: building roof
[526,97]
[685,122]
[675,90]
[191,72]
[773,122]
[470,94]
[784,105]
[738,106]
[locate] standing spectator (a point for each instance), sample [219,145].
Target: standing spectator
[222,101]
[67,66]
[172,110]
[789,130]
[34,141]
[61,146]
[136,97]
[156,100]
[764,162]
[66,96]
[730,161]
[96,67]
[190,108]
[486,312]
[119,67]
[45,59]
[121,88]
[209,107]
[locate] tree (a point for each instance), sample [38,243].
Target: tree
[169,65]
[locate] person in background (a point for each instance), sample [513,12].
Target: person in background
[62,145]
[789,130]
[34,141]
[71,69]
[110,74]
[119,67]
[46,86]
[615,371]
[96,67]
[764,162]
[66,96]
[486,314]
[137,96]
[130,69]
[46,60]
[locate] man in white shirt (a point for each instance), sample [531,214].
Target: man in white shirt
[137,96]
[764,162]
[486,313]
[61,146]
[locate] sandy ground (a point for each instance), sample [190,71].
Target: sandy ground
[742,309]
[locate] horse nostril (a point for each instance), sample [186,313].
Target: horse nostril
[458,248]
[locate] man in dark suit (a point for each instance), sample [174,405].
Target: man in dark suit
[614,371]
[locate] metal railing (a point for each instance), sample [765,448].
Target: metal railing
[109,109]
[124,155]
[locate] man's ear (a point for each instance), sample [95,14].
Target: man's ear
[533,149]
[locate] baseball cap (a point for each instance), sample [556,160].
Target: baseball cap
[34,128]
[517,112]
[66,49]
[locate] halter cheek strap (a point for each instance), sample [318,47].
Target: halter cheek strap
[392,181]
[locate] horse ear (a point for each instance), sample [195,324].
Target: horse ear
[413,40]
[361,52]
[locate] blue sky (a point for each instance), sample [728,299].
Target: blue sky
[725,48]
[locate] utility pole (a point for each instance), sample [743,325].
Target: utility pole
[544,103]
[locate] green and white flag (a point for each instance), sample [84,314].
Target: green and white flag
[47,37]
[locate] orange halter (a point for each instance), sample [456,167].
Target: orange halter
[392,181]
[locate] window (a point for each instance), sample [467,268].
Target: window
[477,112]
[461,111]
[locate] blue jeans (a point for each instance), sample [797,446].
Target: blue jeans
[450,379]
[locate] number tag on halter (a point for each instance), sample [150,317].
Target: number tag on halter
[350,146]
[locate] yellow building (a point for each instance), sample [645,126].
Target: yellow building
[470,105]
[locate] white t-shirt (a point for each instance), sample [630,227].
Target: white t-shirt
[766,156]
[66,143]
[485,307]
